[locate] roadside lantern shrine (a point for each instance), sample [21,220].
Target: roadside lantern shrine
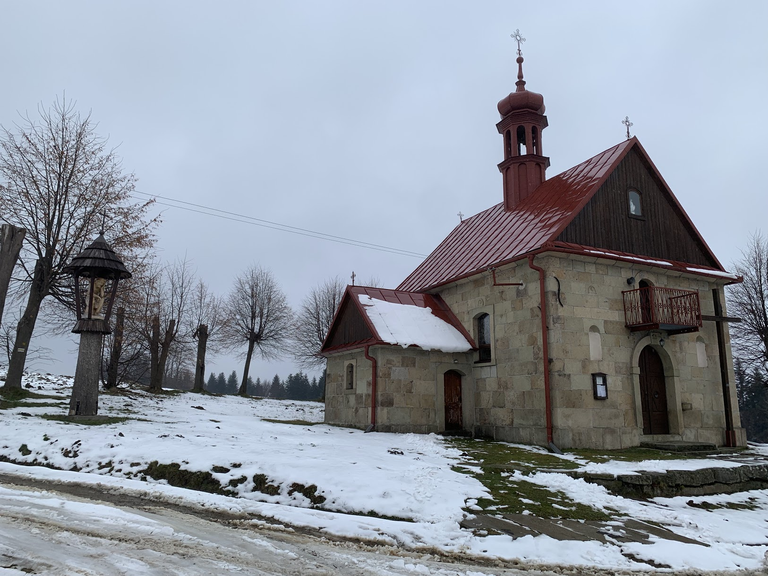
[97,271]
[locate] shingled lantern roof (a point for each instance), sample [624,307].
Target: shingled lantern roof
[102,269]
[98,261]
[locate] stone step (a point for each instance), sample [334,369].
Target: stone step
[680,446]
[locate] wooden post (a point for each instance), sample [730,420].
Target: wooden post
[730,434]
[85,392]
[11,239]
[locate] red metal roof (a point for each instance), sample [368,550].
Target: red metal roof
[432,301]
[494,237]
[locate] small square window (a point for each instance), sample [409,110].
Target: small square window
[600,386]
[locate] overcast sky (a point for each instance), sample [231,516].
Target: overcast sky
[375,121]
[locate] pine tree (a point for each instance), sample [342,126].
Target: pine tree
[321,387]
[221,383]
[232,383]
[276,390]
[210,386]
[251,388]
[297,387]
[752,392]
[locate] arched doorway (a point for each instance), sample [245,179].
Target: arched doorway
[653,393]
[452,395]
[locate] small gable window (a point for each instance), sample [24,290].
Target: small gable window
[635,203]
[483,326]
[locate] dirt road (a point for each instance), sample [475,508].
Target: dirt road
[75,529]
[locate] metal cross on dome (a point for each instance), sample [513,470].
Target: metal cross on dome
[517,37]
[628,124]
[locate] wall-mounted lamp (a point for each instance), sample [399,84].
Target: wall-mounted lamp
[631,280]
[661,342]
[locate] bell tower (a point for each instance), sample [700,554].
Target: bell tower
[522,122]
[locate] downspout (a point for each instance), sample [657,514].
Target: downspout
[372,426]
[545,353]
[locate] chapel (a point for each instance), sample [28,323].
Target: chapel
[584,310]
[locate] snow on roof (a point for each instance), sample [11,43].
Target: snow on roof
[722,274]
[408,325]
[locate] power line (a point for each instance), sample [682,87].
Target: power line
[245,219]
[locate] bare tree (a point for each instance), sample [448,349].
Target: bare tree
[207,320]
[127,347]
[313,322]
[749,300]
[258,314]
[11,240]
[60,182]
[165,305]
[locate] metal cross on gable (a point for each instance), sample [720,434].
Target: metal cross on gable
[461,216]
[628,124]
[517,37]
[353,278]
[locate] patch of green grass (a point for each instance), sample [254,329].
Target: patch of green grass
[261,484]
[635,454]
[492,463]
[21,398]
[294,422]
[489,454]
[91,421]
[5,404]
[24,449]
[309,492]
[175,476]
[514,496]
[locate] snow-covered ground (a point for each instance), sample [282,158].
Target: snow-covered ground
[400,490]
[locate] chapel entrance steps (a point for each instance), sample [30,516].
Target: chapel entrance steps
[456,433]
[682,447]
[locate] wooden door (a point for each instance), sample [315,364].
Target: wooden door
[452,388]
[653,393]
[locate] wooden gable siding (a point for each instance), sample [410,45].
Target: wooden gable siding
[662,232]
[349,327]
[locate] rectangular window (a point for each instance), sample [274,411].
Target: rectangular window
[484,338]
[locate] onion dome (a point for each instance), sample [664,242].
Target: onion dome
[521,99]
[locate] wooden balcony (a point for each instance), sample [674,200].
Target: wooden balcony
[653,308]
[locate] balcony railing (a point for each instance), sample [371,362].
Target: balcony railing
[670,309]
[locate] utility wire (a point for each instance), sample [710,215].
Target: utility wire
[226,215]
